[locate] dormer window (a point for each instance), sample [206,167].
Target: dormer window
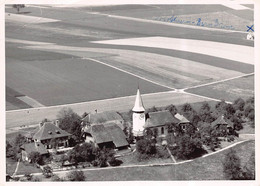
[57,132]
[50,132]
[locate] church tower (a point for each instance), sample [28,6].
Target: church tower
[138,115]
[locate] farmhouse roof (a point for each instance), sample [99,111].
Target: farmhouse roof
[109,132]
[50,131]
[102,117]
[138,107]
[160,118]
[181,118]
[221,120]
[34,147]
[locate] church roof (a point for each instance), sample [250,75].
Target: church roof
[49,131]
[160,118]
[138,107]
[102,117]
[222,120]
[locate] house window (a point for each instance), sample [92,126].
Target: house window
[183,127]
[162,130]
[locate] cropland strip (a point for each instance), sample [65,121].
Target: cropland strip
[30,101]
[27,19]
[238,53]
[229,90]
[12,102]
[165,70]
[35,115]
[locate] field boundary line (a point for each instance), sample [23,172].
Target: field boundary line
[103,63]
[219,81]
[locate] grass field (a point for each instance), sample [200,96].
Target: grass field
[229,90]
[208,168]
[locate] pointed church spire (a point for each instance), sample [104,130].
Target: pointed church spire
[138,102]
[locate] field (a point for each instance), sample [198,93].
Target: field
[229,91]
[88,58]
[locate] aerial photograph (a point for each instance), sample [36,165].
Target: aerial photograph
[129,92]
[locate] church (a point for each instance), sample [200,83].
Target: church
[155,120]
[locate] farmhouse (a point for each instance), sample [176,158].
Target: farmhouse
[222,125]
[104,117]
[27,148]
[155,120]
[108,135]
[49,134]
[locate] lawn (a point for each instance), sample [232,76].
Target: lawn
[208,168]
[229,90]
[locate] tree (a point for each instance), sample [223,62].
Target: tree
[187,147]
[14,151]
[186,108]
[47,171]
[18,7]
[70,122]
[35,157]
[76,175]
[82,152]
[239,104]
[146,146]
[231,166]
[172,109]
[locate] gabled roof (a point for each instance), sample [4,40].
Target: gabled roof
[102,117]
[118,136]
[181,118]
[49,131]
[138,107]
[99,133]
[34,147]
[221,120]
[109,132]
[160,118]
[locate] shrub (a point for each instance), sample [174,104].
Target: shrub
[231,166]
[76,175]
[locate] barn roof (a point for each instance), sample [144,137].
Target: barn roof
[34,147]
[221,120]
[109,132]
[102,117]
[160,118]
[50,131]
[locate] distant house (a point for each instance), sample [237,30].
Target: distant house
[49,131]
[183,122]
[104,117]
[222,125]
[27,148]
[108,135]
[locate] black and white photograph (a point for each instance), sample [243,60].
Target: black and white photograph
[129,91]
